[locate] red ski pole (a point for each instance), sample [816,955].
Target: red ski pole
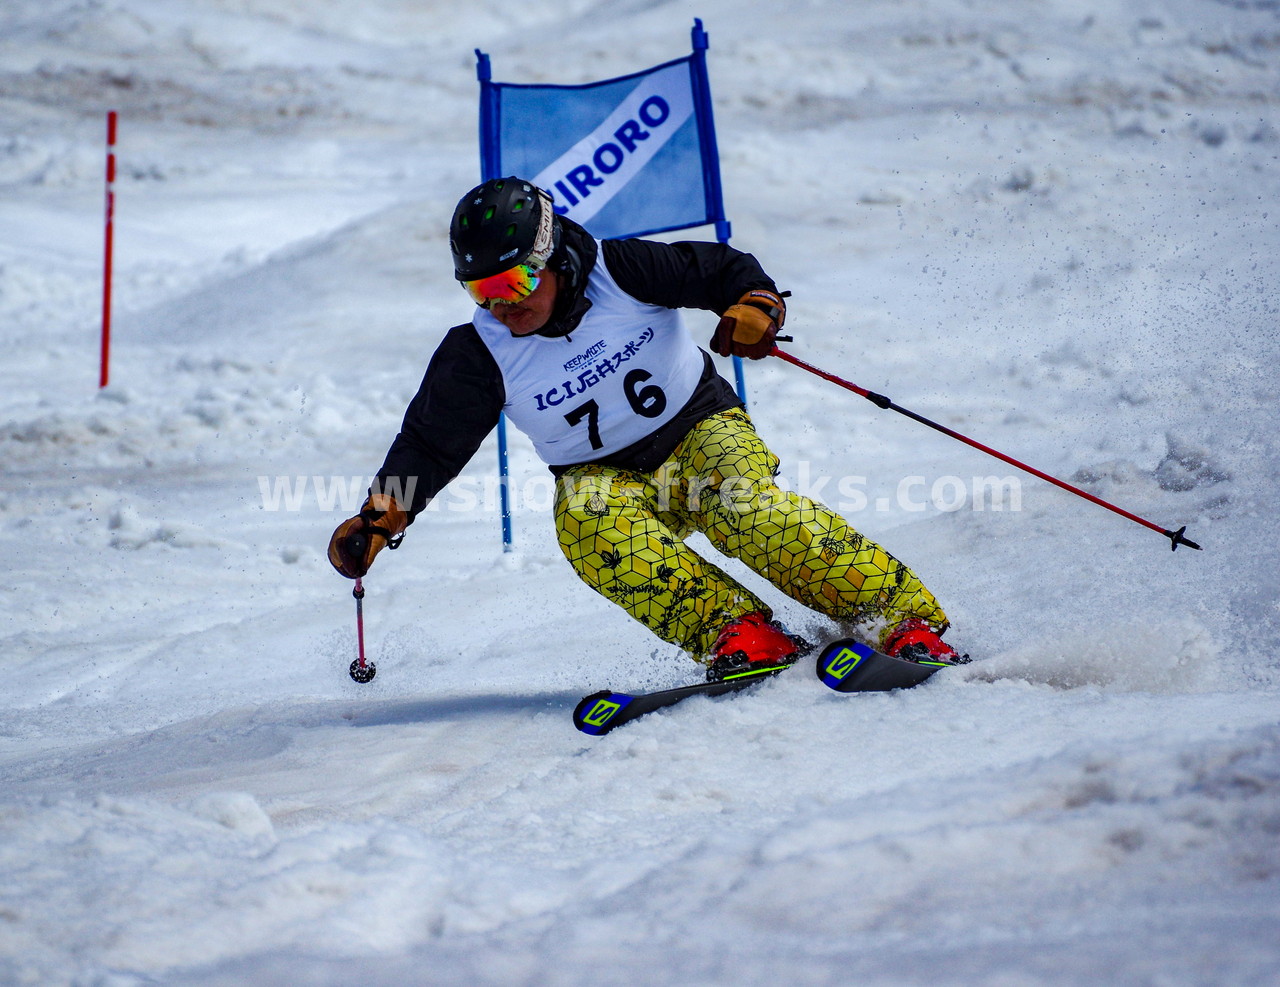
[361,670]
[880,401]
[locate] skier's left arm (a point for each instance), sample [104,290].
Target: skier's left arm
[710,276]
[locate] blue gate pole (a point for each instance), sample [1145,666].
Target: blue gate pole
[711,160]
[504,483]
[489,167]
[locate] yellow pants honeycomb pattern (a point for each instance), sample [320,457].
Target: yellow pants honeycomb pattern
[623,532]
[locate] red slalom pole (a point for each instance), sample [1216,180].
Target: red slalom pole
[105,362]
[880,401]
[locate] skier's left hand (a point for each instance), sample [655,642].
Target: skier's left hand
[749,327]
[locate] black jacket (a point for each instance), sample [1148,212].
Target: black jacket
[462,394]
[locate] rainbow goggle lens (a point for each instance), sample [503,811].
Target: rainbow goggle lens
[509,286]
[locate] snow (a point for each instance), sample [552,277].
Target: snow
[1050,226]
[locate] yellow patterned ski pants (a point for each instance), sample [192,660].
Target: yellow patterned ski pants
[623,532]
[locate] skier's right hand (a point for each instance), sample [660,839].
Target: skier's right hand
[380,523]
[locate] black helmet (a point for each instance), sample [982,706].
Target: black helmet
[502,223]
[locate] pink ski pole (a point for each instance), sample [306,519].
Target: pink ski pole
[362,671]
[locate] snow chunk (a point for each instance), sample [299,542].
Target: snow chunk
[239,811]
[1186,467]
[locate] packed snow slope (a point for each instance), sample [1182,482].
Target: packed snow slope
[1050,224]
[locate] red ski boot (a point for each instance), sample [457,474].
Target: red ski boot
[914,640]
[750,644]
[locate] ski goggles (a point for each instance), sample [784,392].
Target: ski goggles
[509,286]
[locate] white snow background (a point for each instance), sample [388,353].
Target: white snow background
[1050,224]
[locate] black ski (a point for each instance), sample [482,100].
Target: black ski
[845,665]
[602,711]
[848,666]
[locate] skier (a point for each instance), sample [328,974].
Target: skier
[580,342]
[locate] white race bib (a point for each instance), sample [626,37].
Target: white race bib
[626,370]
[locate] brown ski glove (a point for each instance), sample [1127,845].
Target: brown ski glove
[749,327]
[357,540]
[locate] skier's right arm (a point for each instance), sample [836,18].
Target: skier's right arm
[456,407]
